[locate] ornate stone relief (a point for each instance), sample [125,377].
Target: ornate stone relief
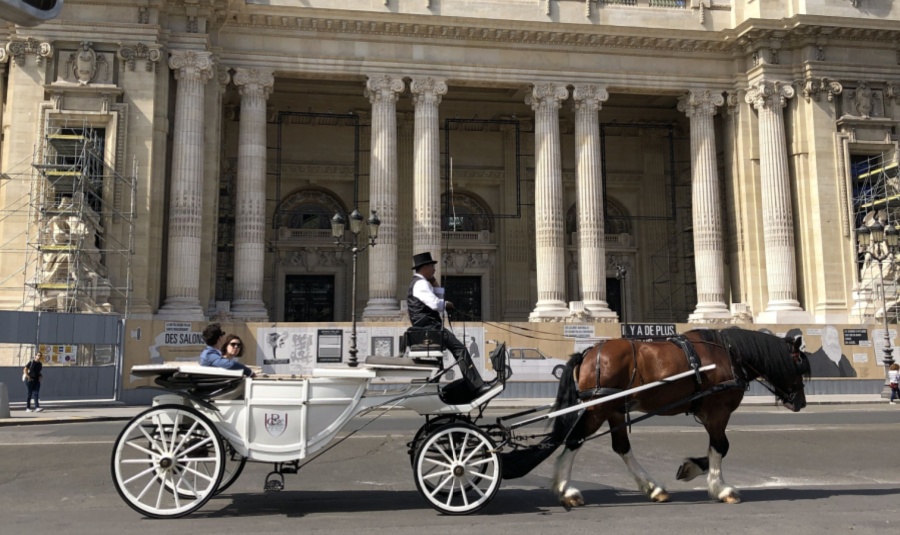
[143,15]
[703,102]
[85,64]
[129,54]
[19,49]
[864,99]
[813,87]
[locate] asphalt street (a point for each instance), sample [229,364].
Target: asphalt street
[828,469]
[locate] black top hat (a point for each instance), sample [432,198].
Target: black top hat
[422,259]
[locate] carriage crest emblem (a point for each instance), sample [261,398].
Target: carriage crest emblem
[276,423]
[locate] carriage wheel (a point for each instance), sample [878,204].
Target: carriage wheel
[168,461]
[424,431]
[457,469]
[234,465]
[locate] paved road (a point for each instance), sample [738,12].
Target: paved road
[829,470]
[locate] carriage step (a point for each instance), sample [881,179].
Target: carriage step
[274,482]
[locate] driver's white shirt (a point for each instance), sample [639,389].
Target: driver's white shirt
[423,291]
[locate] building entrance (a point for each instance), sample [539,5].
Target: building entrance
[308,298]
[614,296]
[465,294]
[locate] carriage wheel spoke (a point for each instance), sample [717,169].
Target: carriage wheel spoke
[203,442]
[141,448]
[185,437]
[475,486]
[175,425]
[152,441]
[440,486]
[140,474]
[197,474]
[472,453]
[162,487]
[432,475]
[147,486]
[450,494]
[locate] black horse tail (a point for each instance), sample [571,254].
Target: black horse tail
[518,462]
[567,396]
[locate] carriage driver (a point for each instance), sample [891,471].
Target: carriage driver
[425,307]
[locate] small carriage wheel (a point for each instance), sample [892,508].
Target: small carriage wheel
[168,461]
[234,465]
[423,432]
[457,469]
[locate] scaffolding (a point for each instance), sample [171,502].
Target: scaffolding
[80,231]
[876,198]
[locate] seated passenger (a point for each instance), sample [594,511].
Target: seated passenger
[212,356]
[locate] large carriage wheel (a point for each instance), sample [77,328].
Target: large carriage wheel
[457,469]
[168,461]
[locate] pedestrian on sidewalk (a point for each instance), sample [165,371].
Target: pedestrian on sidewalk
[894,380]
[33,375]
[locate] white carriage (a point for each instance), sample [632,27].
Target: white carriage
[194,441]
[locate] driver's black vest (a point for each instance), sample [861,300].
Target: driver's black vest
[421,315]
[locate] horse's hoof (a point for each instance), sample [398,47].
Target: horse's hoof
[572,498]
[729,495]
[659,495]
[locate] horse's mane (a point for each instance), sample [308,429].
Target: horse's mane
[757,353]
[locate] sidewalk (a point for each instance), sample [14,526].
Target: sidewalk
[73,411]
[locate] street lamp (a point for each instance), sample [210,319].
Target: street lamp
[338,225]
[870,240]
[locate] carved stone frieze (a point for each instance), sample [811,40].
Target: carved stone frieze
[17,50]
[130,54]
[863,100]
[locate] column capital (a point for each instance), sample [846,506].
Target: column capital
[17,50]
[700,102]
[195,64]
[254,82]
[548,95]
[769,94]
[427,90]
[589,96]
[813,86]
[384,87]
[129,54]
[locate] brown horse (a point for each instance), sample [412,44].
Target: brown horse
[711,396]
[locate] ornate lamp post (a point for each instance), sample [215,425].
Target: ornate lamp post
[338,224]
[880,243]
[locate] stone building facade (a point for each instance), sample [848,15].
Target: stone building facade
[704,149]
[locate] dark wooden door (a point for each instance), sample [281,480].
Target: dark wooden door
[465,294]
[309,298]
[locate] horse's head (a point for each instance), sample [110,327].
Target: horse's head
[794,397]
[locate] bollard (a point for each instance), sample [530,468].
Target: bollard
[4,401]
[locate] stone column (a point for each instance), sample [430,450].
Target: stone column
[383,92]
[769,98]
[591,240]
[250,220]
[709,263]
[192,70]
[545,100]
[427,93]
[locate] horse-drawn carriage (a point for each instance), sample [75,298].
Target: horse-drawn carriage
[194,441]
